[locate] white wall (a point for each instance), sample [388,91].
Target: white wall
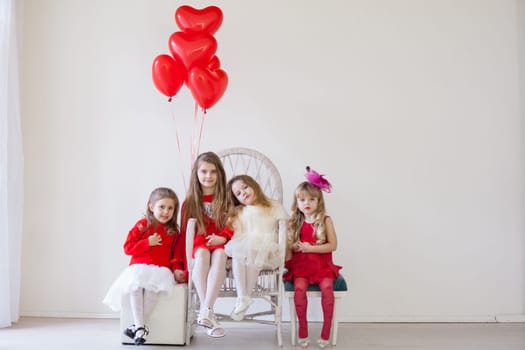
[413,109]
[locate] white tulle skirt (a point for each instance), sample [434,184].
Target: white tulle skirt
[256,235]
[155,278]
[259,249]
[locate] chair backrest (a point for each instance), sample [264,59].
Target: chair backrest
[239,161]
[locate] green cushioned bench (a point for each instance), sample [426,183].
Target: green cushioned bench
[339,286]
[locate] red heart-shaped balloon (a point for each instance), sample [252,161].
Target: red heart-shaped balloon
[207,86]
[192,49]
[214,63]
[192,20]
[168,74]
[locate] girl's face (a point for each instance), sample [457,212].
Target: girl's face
[207,174]
[307,203]
[244,193]
[163,209]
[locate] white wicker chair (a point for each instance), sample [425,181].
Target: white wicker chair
[269,287]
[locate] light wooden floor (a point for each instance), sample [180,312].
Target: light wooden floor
[104,334]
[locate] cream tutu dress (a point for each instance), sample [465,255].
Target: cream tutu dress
[255,235]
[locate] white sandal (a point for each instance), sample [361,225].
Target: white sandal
[204,318]
[303,342]
[207,319]
[323,343]
[216,332]
[205,322]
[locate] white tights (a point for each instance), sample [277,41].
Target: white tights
[143,302]
[208,275]
[245,276]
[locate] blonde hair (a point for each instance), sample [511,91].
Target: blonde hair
[194,204]
[297,217]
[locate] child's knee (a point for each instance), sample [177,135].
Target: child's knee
[300,286]
[202,254]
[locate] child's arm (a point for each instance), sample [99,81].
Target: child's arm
[289,253]
[220,238]
[137,240]
[294,246]
[178,261]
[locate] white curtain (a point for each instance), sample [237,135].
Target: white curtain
[11,165]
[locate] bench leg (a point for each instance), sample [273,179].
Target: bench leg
[335,322]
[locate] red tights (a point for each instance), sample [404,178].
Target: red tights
[301,304]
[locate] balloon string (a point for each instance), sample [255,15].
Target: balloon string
[192,140]
[193,146]
[180,157]
[200,133]
[179,150]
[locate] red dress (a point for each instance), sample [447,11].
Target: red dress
[200,240]
[313,266]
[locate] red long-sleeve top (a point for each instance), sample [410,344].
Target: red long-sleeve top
[169,254]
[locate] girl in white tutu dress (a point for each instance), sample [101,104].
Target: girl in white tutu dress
[254,219]
[157,261]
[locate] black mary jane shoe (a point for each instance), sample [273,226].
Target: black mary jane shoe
[130,331]
[140,333]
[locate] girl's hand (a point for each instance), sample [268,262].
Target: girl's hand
[214,240]
[179,276]
[155,239]
[302,247]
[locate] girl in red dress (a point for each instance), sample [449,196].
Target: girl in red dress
[311,241]
[206,202]
[157,261]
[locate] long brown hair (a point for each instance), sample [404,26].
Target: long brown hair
[194,204]
[297,217]
[233,202]
[157,194]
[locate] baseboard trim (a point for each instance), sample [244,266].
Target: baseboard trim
[510,318]
[502,318]
[69,315]
[420,319]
